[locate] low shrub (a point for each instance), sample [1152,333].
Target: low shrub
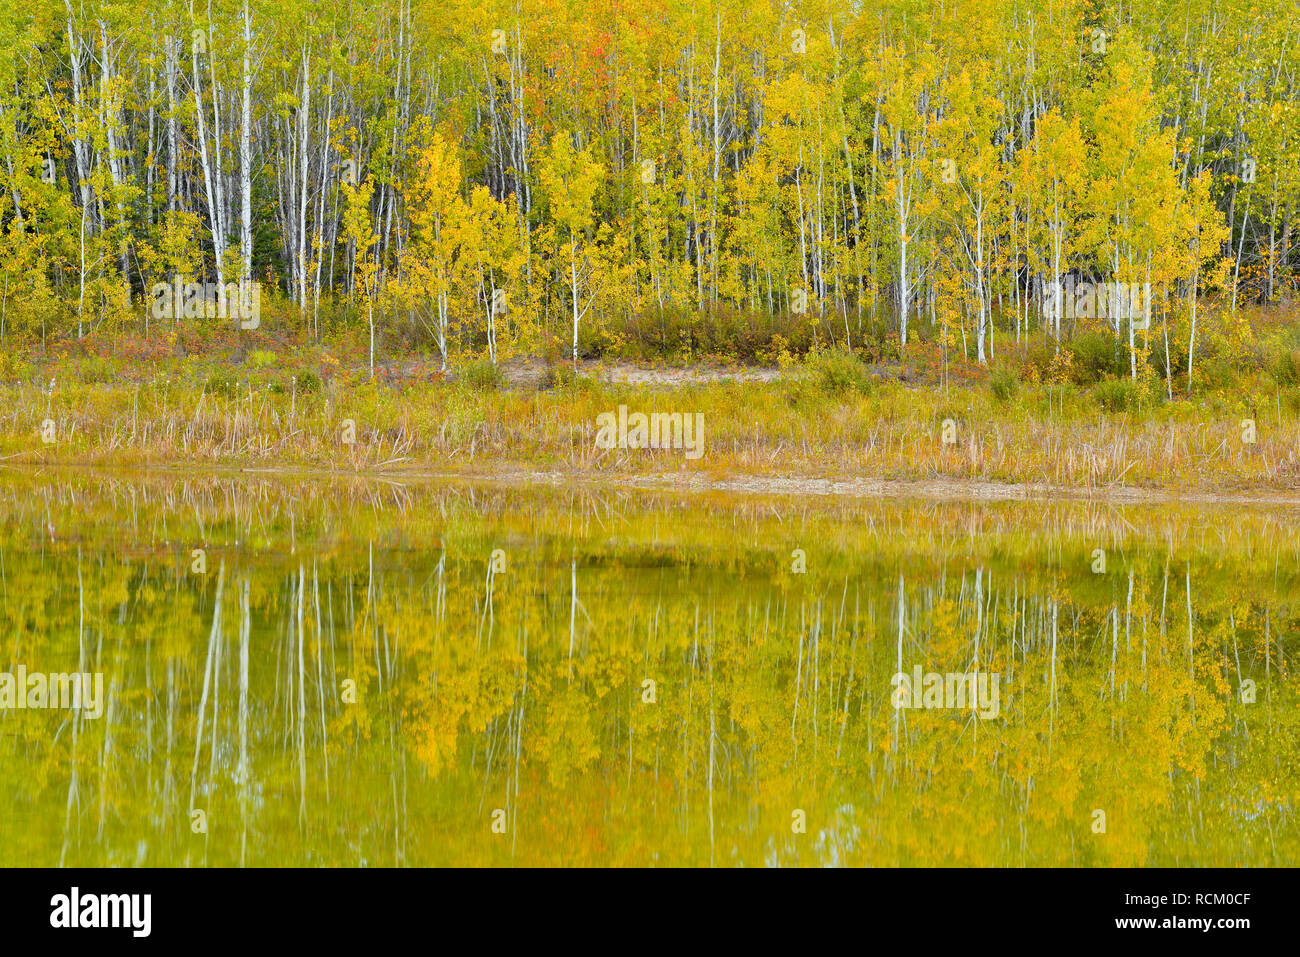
[1097,356]
[1004,385]
[837,371]
[1118,395]
[482,376]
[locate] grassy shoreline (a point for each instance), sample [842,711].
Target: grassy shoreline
[825,421]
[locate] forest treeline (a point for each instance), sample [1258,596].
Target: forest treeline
[498,174]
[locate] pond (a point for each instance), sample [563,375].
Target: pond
[309,671]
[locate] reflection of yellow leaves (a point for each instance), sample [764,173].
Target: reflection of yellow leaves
[605,777]
[471,693]
[566,740]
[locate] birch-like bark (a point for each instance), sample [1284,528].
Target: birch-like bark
[211,164]
[246,156]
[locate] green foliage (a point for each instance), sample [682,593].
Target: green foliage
[261,359]
[1177,359]
[556,376]
[1004,384]
[1118,395]
[95,369]
[711,242]
[15,368]
[308,381]
[1097,355]
[749,337]
[1286,367]
[482,376]
[838,371]
[223,384]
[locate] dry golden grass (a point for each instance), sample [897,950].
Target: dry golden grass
[794,427]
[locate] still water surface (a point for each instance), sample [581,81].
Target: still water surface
[379,674]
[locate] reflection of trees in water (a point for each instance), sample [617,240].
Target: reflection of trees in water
[524,689]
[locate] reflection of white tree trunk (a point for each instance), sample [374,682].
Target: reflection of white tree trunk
[216,703]
[148,711]
[302,712]
[169,780]
[798,681]
[816,670]
[979,627]
[712,734]
[76,715]
[1114,652]
[440,606]
[370,604]
[519,738]
[1191,673]
[573,607]
[899,669]
[1051,698]
[207,679]
[320,681]
[488,615]
[104,754]
[243,722]
[848,685]
[1128,630]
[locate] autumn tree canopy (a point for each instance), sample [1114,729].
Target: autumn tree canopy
[513,170]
